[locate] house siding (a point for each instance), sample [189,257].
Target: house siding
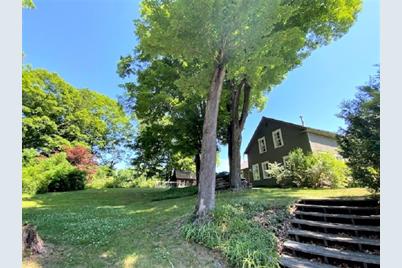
[293,137]
[321,143]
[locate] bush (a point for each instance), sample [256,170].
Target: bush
[123,178]
[29,157]
[232,231]
[39,174]
[72,181]
[281,174]
[143,182]
[317,170]
[325,170]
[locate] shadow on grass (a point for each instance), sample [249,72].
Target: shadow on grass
[174,193]
[128,227]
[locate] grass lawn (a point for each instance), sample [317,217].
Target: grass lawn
[126,228]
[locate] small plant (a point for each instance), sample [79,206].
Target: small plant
[232,230]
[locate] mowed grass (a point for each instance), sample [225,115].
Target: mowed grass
[126,228]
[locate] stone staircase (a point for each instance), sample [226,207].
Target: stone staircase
[333,233]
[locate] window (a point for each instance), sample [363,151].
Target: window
[256,172]
[285,159]
[265,167]
[277,138]
[262,145]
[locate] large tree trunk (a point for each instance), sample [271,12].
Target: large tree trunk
[206,187]
[197,167]
[234,158]
[235,130]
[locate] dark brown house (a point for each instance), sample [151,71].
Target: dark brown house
[183,178]
[273,140]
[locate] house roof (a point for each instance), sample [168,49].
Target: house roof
[184,175]
[316,131]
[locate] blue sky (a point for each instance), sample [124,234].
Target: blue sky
[83,40]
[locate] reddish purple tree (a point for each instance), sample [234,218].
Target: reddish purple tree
[82,158]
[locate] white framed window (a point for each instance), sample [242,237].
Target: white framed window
[265,167]
[262,145]
[285,159]
[277,138]
[256,172]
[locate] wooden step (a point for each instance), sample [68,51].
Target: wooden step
[334,237]
[333,253]
[343,216]
[336,207]
[340,226]
[344,201]
[294,262]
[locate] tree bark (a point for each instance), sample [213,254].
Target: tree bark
[206,187]
[197,167]
[235,130]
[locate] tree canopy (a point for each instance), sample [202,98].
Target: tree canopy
[169,116]
[28,4]
[360,140]
[55,115]
[237,40]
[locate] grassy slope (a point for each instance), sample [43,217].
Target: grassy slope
[124,228]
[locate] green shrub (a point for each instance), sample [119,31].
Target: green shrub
[317,170]
[123,178]
[102,179]
[298,164]
[143,182]
[281,174]
[325,170]
[38,174]
[29,157]
[72,181]
[232,231]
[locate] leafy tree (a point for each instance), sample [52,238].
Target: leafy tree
[167,135]
[169,116]
[55,115]
[81,157]
[288,44]
[360,140]
[232,39]
[28,4]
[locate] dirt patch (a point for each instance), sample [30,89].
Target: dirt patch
[276,220]
[196,255]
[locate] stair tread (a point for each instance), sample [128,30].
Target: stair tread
[357,199]
[294,262]
[336,207]
[344,216]
[333,253]
[334,237]
[337,225]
